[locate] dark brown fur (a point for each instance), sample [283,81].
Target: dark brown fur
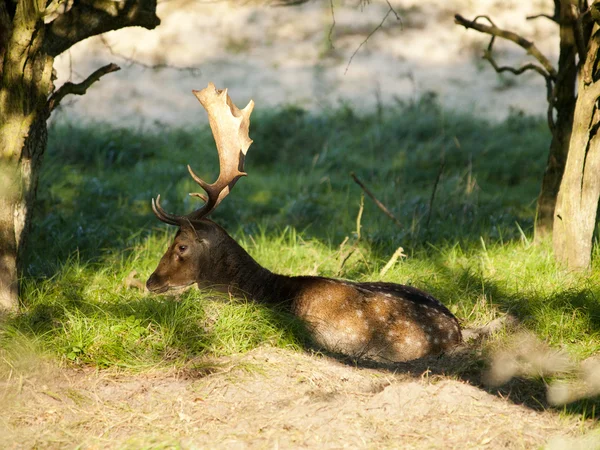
[378,320]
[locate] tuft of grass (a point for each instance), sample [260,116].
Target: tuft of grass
[296,213]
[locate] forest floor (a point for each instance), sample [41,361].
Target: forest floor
[274,398]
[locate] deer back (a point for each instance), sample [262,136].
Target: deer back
[383,321]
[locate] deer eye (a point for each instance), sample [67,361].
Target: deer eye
[182,248]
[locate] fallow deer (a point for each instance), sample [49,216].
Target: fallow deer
[384,321]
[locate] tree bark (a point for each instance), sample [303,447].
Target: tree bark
[28,45]
[25,73]
[577,202]
[564,104]
[16,207]
[9,287]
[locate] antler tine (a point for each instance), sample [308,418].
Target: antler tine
[230,127]
[164,216]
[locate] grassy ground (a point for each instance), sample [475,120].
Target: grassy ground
[296,213]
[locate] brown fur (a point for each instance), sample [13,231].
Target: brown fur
[378,320]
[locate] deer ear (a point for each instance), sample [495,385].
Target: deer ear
[187,228]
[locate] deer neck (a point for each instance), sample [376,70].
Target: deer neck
[234,270]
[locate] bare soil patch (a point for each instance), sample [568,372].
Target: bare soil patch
[270,398]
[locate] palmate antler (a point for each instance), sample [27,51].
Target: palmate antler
[229,126]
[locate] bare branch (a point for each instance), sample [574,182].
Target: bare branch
[289,2]
[79,88]
[546,69]
[546,16]
[390,10]
[131,61]
[554,17]
[377,202]
[494,31]
[92,17]
[487,55]
[398,17]
[434,190]
[332,24]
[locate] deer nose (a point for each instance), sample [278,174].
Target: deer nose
[153,284]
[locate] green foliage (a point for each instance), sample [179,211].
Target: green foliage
[93,228]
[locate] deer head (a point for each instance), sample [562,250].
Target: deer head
[190,253]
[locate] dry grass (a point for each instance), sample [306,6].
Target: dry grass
[267,398]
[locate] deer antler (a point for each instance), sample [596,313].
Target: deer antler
[230,127]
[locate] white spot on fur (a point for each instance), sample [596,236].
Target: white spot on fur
[408,340]
[436,341]
[359,313]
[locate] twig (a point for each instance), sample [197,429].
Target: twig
[546,69]
[134,62]
[354,246]
[332,24]
[289,3]
[433,192]
[79,88]
[359,216]
[377,202]
[390,10]
[399,253]
[547,16]
[398,16]
[493,30]
[346,257]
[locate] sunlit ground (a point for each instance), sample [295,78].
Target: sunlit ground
[309,57]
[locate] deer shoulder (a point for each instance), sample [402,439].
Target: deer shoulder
[378,320]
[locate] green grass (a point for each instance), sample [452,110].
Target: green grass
[93,227]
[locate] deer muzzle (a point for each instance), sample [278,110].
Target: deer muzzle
[156,284]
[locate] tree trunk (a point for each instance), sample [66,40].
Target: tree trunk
[8,245]
[16,207]
[32,33]
[564,104]
[577,202]
[25,75]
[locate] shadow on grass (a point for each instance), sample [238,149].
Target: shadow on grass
[95,202]
[160,330]
[578,306]
[97,181]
